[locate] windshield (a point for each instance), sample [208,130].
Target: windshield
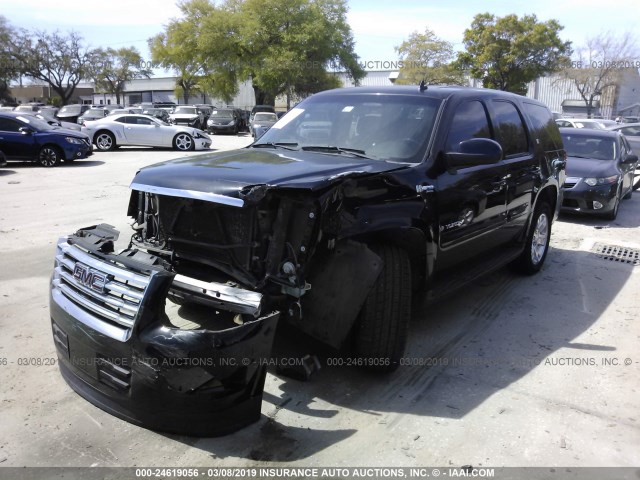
[71,109]
[186,110]
[35,122]
[589,146]
[222,114]
[385,127]
[585,124]
[265,117]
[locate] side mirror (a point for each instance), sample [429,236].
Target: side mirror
[476,151]
[25,130]
[631,158]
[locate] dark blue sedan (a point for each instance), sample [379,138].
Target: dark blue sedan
[24,137]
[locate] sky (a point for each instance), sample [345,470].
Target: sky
[378,25]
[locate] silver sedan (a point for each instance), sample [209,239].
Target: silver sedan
[143,130]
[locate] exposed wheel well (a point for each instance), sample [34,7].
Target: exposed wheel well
[412,240]
[550,196]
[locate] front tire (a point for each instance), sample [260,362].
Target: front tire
[49,156]
[537,244]
[183,142]
[383,323]
[105,141]
[613,214]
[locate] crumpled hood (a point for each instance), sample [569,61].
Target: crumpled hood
[587,167]
[226,173]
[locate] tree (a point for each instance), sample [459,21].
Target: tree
[283,46]
[426,57]
[110,69]
[600,64]
[175,49]
[509,52]
[58,60]
[8,68]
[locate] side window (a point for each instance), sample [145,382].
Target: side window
[469,121]
[545,130]
[626,148]
[563,123]
[145,121]
[510,131]
[631,131]
[121,120]
[8,125]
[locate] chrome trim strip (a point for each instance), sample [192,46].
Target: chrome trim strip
[235,299]
[89,305]
[175,192]
[113,331]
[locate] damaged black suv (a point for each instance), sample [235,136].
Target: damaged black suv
[355,201]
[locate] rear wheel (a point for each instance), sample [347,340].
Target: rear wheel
[381,330]
[49,156]
[537,244]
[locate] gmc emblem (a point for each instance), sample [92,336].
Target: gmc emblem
[90,278]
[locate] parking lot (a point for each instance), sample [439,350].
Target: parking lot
[511,371]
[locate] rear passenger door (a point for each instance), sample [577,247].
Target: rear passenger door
[522,170]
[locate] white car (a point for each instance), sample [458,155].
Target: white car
[591,123]
[144,130]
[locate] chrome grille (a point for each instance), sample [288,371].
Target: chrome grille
[109,304]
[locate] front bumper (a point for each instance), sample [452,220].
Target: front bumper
[202,143]
[582,198]
[222,128]
[73,151]
[118,348]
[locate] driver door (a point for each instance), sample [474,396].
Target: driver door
[142,131]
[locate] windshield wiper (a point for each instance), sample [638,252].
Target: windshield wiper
[332,149]
[286,146]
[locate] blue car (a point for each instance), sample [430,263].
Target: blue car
[24,137]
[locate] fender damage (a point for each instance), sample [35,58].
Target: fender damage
[196,364]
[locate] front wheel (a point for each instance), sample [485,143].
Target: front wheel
[184,142]
[49,156]
[383,323]
[105,141]
[537,244]
[613,214]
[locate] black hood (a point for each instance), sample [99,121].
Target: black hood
[226,173]
[588,167]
